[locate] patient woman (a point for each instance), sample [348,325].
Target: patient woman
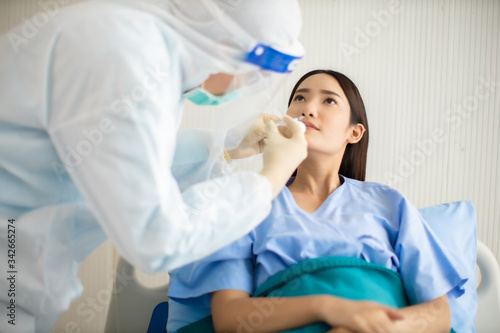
[326,210]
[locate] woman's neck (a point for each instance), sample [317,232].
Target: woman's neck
[317,178]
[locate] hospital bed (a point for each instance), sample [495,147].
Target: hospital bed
[136,308]
[488,291]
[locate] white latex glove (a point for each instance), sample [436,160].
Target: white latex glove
[282,152]
[253,142]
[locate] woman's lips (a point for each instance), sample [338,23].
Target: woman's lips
[310,125]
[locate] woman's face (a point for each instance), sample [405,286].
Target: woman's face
[326,111]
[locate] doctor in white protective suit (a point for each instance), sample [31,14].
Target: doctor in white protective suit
[90,110]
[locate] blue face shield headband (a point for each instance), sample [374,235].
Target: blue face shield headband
[270,59]
[264,57]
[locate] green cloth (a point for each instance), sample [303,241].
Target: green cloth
[345,277]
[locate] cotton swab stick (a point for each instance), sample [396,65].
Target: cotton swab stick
[298,120]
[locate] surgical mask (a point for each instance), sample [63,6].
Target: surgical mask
[200,96]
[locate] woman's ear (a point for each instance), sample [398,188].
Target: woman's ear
[357,132]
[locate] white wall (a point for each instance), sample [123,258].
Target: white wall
[429,73]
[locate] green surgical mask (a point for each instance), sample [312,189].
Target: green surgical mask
[200,96]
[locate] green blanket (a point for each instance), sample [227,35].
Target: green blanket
[345,277]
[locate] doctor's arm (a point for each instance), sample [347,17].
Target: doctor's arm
[119,151]
[127,182]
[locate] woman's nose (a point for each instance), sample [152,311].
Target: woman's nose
[310,111]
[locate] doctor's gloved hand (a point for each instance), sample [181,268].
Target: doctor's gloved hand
[282,153]
[252,143]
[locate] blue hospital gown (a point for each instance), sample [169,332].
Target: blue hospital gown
[365,220]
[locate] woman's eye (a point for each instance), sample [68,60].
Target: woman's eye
[329,101]
[300,98]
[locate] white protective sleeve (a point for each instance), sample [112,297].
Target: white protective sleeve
[198,156]
[113,118]
[139,205]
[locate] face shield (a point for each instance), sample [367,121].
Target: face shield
[254,42]
[249,93]
[262,72]
[256,90]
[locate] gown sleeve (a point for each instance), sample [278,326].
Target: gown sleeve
[191,286]
[113,117]
[232,267]
[427,269]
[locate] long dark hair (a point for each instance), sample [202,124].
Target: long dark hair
[353,163]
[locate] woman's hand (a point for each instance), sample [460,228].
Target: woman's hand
[252,143]
[340,330]
[282,152]
[362,317]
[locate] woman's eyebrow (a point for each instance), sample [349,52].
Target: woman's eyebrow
[328,92]
[323,91]
[304,90]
